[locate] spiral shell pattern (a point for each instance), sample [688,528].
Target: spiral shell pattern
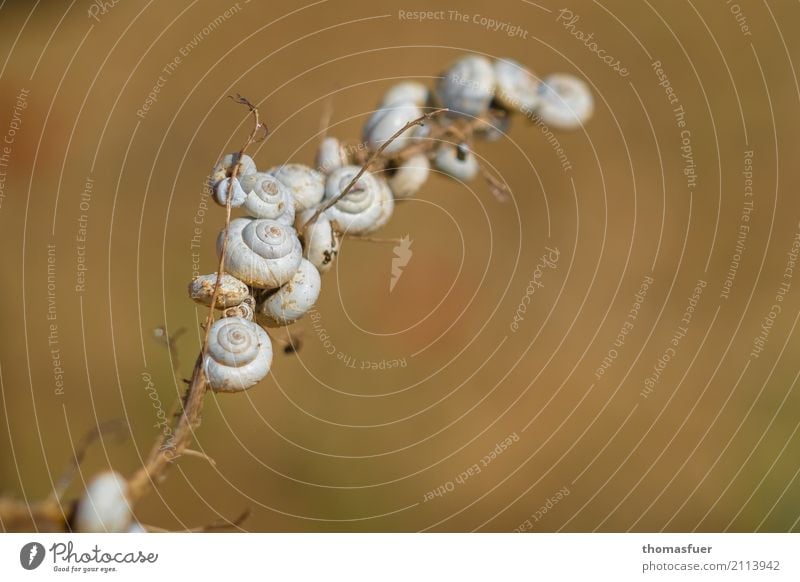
[239,355]
[267,197]
[364,207]
[261,252]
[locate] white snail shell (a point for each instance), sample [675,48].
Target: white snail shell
[238,195]
[388,120]
[320,240]
[239,355]
[246,309]
[267,197]
[406,92]
[232,291]
[362,210]
[261,252]
[136,527]
[517,88]
[386,203]
[467,87]
[305,184]
[409,176]
[104,506]
[330,155]
[224,167]
[447,160]
[565,102]
[293,300]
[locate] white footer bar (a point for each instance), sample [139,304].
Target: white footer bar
[389,557]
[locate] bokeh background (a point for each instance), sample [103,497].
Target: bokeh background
[326,442]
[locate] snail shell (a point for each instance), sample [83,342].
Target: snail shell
[293,300]
[467,87]
[517,88]
[565,102]
[104,506]
[239,355]
[456,161]
[331,155]
[320,240]
[305,184]
[409,176]
[406,92]
[267,197]
[388,120]
[224,167]
[261,252]
[232,291]
[386,203]
[363,209]
[238,195]
[246,309]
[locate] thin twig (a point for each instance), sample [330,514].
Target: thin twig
[170,342]
[498,188]
[103,429]
[375,239]
[160,458]
[199,455]
[325,120]
[217,525]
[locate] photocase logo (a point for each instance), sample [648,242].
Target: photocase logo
[31,555]
[402,256]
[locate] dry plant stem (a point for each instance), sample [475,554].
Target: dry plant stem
[377,154]
[162,455]
[215,526]
[49,514]
[42,516]
[374,239]
[104,429]
[325,120]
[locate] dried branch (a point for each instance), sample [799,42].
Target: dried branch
[50,514]
[162,456]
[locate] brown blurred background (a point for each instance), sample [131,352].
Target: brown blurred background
[324,445]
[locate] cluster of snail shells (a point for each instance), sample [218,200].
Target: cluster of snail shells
[493,91]
[273,277]
[473,88]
